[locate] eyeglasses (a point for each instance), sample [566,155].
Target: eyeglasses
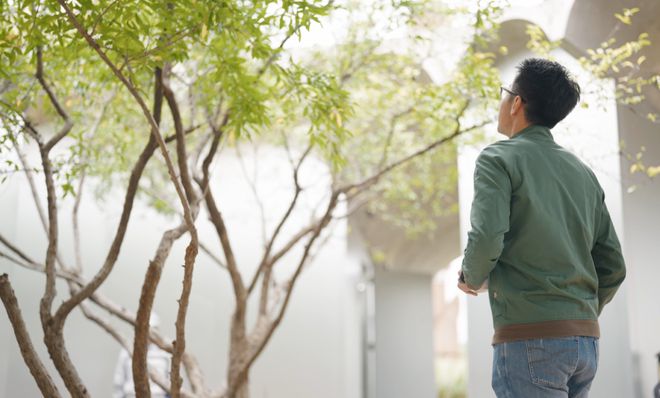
[513,93]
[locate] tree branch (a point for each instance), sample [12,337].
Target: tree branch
[53,337]
[145,110]
[182,157]
[293,241]
[213,257]
[190,363]
[29,264]
[352,189]
[262,334]
[98,19]
[355,188]
[129,198]
[187,131]
[33,189]
[193,247]
[51,251]
[81,182]
[37,369]
[216,216]
[232,266]
[261,343]
[140,339]
[252,182]
[68,124]
[35,196]
[265,264]
[155,132]
[114,333]
[180,343]
[390,134]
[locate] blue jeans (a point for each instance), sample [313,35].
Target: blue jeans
[548,368]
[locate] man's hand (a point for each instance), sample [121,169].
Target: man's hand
[463,286]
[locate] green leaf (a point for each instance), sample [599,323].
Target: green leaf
[67,188]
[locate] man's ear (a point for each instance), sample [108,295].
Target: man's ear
[516,106]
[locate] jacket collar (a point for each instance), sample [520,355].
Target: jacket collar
[534,130]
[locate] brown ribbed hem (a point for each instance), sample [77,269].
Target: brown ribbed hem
[542,330]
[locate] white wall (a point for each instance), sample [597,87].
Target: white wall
[404,335]
[641,223]
[592,134]
[316,350]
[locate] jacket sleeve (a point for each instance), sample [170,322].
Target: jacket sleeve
[489,218]
[608,259]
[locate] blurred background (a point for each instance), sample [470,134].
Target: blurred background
[392,99]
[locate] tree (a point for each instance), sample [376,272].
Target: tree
[217,73]
[60,59]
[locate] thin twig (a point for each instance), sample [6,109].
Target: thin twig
[31,265]
[266,265]
[213,257]
[30,177]
[390,134]
[252,182]
[76,206]
[362,185]
[68,124]
[265,260]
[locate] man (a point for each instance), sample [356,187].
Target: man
[543,239]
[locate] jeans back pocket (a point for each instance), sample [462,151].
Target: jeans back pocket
[552,361]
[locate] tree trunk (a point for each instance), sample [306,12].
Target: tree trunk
[54,340]
[237,388]
[243,390]
[238,356]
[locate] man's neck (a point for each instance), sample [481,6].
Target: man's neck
[517,128]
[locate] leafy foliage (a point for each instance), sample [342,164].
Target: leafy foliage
[398,109]
[360,99]
[222,53]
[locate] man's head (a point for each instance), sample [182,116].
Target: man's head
[543,93]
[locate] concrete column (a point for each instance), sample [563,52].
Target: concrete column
[404,335]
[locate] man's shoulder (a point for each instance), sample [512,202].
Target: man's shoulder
[579,164]
[502,145]
[500,150]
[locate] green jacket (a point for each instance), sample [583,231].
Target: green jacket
[541,233]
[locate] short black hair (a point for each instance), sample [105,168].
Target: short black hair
[547,89]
